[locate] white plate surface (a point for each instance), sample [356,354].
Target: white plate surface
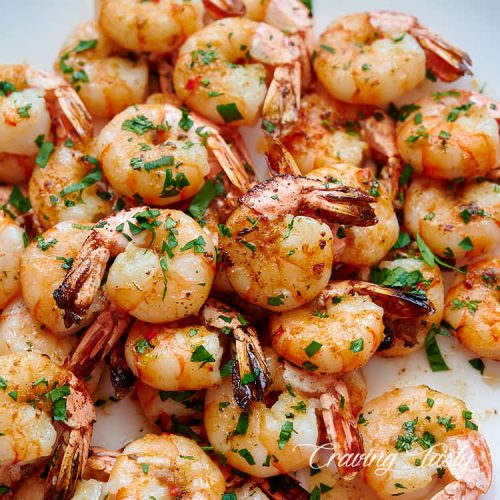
[32,31]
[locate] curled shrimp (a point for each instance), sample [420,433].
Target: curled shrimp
[159,27]
[37,394]
[35,108]
[222,73]
[11,248]
[163,268]
[69,187]
[159,154]
[423,432]
[44,263]
[472,308]
[20,332]
[175,466]
[455,220]
[187,356]
[277,251]
[450,135]
[406,270]
[342,328]
[376,57]
[106,79]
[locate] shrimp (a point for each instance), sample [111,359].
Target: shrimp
[163,268]
[363,246]
[222,73]
[187,356]
[472,308]
[280,434]
[36,394]
[408,271]
[69,187]
[165,466]
[455,221]
[107,79]
[159,27]
[20,331]
[423,433]
[278,253]
[34,108]
[342,328]
[376,57]
[44,264]
[450,135]
[11,247]
[158,154]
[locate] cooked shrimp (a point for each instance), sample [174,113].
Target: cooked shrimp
[279,436]
[69,187]
[150,26]
[187,356]
[376,57]
[222,73]
[105,78]
[159,154]
[449,135]
[363,246]
[11,248]
[277,250]
[163,408]
[89,489]
[36,393]
[423,434]
[163,268]
[44,264]
[456,221]
[20,331]
[342,328]
[164,466]
[35,107]
[472,308]
[407,270]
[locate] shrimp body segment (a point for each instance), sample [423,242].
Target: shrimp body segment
[450,135]
[423,431]
[11,248]
[278,253]
[163,268]
[159,27]
[472,308]
[176,466]
[222,73]
[37,395]
[376,57]
[106,80]
[455,221]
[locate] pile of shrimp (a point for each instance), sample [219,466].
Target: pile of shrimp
[237,310]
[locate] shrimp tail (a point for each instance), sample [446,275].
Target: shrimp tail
[282,103]
[68,463]
[98,341]
[303,196]
[395,302]
[74,111]
[76,293]
[447,62]
[279,159]
[250,375]
[226,8]
[283,487]
[342,429]
[122,378]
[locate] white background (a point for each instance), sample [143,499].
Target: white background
[33,30]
